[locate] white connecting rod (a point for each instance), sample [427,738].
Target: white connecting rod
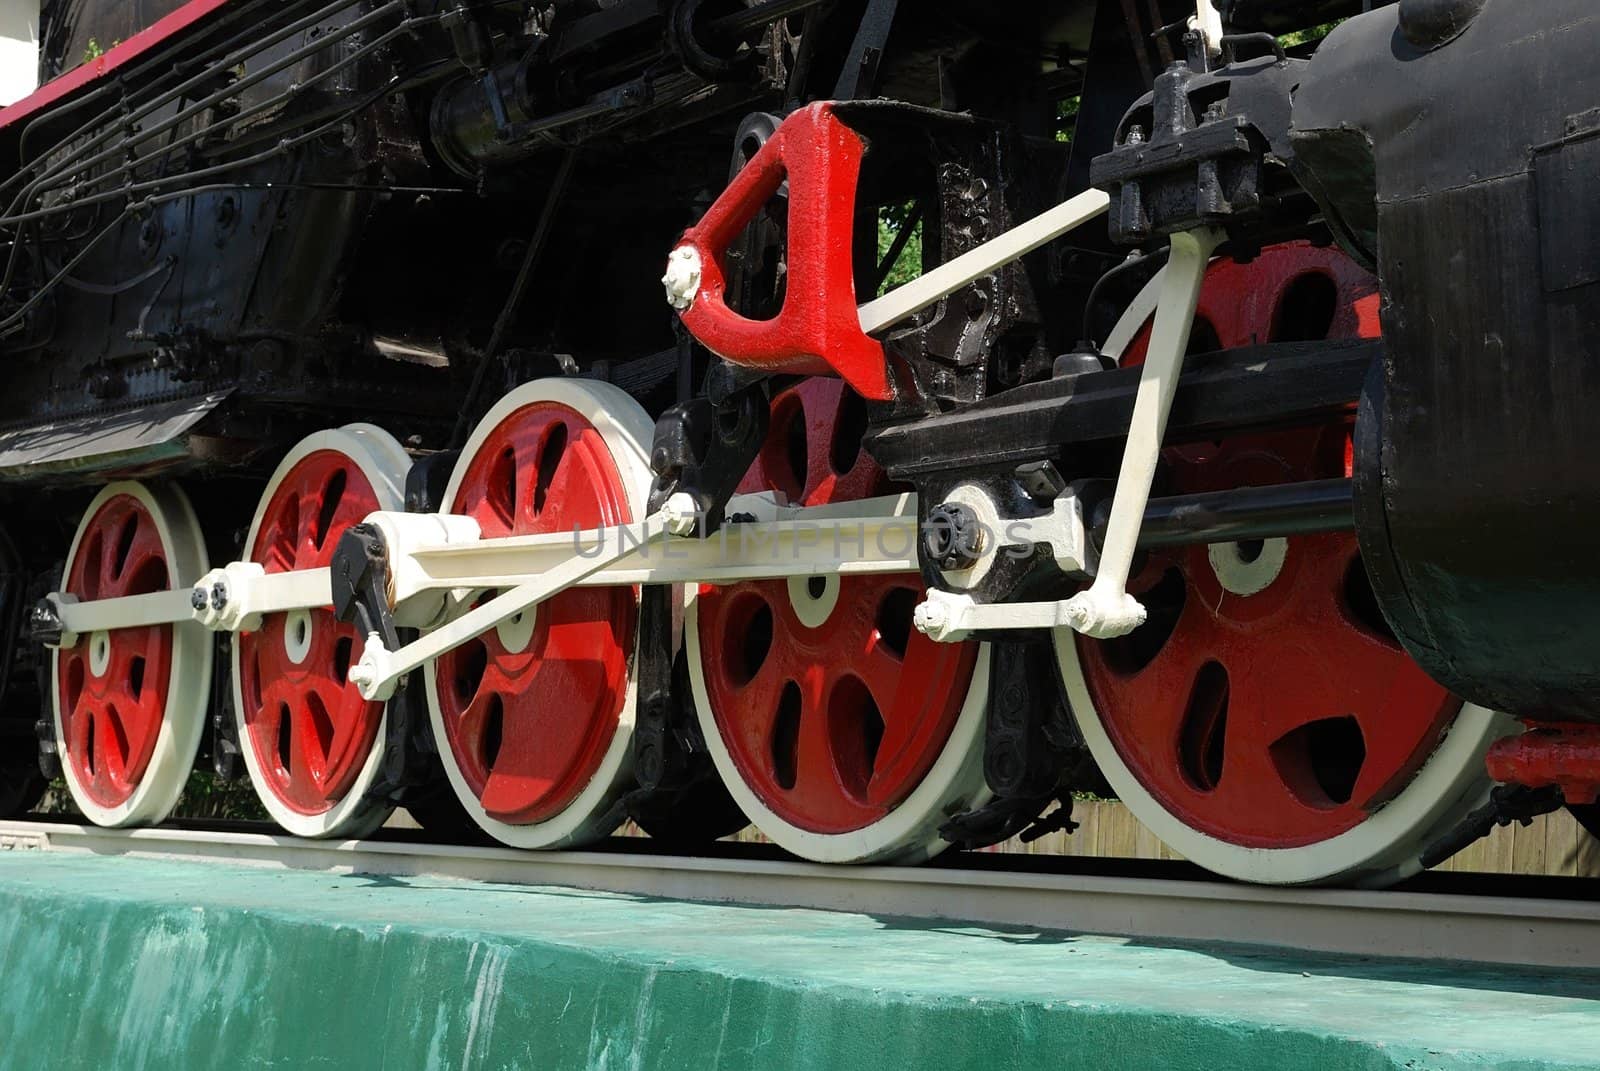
[876,535]
[1105,609]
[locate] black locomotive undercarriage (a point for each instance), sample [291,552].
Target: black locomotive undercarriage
[393,210]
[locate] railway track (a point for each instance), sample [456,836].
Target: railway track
[1534,922]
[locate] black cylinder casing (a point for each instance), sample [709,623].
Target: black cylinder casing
[1468,173]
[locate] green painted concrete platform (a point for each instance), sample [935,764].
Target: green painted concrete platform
[129,964]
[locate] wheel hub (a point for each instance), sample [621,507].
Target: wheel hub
[297,635]
[1248,567]
[812,599]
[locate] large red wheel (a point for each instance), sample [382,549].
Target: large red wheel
[843,733]
[535,718]
[1264,721]
[312,744]
[130,703]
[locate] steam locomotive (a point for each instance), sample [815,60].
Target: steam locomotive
[876,421]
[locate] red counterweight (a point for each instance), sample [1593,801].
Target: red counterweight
[818,329]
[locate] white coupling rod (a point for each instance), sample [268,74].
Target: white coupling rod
[230,599]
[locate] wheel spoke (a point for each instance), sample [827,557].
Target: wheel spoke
[305,536]
[1161,690]
[815,768]
[901,707]
[79,729]
[351,741]
[562,500]
[111,745]
[471,727]
[759,699]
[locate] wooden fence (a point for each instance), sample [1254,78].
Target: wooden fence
[1552,844]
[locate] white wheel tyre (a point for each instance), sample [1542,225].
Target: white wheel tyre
[1383,849]
[380,459]
[159,525]
[626,431]
[907,834]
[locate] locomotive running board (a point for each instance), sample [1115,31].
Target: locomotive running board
[128,441]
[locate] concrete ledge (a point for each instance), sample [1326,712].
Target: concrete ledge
[130,963]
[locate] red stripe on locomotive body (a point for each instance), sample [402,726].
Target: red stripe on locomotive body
[86,74]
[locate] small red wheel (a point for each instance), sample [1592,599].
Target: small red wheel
[130,703]
[1264,721]
[845,734]
[535,717]
[312,744]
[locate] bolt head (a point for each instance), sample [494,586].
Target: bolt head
[930,618]
[219,595]
[682,514]
[198,599]
[682,278]
[953,536]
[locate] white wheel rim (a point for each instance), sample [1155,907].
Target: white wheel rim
[1385,847]
[384,462]
[627,431]
[189,688]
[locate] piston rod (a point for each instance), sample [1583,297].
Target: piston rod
[1247,513]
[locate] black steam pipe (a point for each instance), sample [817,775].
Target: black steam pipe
[1243,514]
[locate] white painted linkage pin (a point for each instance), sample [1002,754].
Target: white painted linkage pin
[1106,610]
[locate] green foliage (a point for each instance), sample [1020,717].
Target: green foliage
[1308,35]
[1067,119]
[209,796]
[93,50]
[892,219]
[205,796]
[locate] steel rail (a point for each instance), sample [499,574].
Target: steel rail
[1530,932]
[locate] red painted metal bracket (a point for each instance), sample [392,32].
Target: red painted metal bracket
[1564,755]
[818,331]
